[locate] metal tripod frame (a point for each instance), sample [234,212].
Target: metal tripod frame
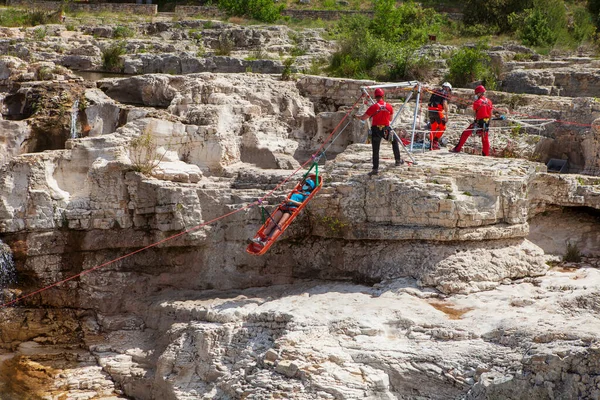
[412,84]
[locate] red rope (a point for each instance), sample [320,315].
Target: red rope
[460,100]
[87,271]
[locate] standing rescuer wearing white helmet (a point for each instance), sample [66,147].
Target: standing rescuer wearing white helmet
[438,114]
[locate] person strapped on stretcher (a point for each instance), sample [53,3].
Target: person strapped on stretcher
[285,211]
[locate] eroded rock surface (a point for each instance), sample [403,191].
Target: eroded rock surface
[437,278]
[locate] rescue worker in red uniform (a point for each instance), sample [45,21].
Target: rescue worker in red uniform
[483,112]
[381,114]
[438,114]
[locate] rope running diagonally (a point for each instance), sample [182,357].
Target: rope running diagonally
[247,206]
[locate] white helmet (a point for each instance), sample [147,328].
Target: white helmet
[447,84]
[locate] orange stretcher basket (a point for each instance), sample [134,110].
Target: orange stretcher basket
[255,248]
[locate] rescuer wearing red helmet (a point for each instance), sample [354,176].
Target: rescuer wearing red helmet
[438,114]
[483,112]
[382,113]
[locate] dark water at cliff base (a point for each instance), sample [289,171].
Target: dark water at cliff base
[8,274]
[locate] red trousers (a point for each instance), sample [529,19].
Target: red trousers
[437,130]
[485,141]
[438,126]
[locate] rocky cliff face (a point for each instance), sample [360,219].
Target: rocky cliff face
[438,279]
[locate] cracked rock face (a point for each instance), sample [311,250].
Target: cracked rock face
[437,279]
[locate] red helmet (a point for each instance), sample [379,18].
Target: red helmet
[379,92]
[479,89]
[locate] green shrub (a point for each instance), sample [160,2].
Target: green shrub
[383,47]
[523,57]
[111,57]
[224,46]
[593,7]
[573,254]
[536,30]
[583,28]
[408,66]
[39,33]
[261,10]
[494,12]
[144,153]
[467,65]
[39,17]
[409,23]
[316,66]
[478,30]
[45,74]
[14,17]
[122,32]
[286,74]
[297,51]
[258,54]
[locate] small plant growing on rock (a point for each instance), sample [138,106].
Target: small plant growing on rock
[111,57]
[516,100]
[573,254]
[224,47]
[297,51]
[258,54]
[334,225]
[45,74]
[286,74]
[144,153]
[316,66]
[516,130]
[122,32]
[39,33]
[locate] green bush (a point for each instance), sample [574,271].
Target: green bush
[111,57]
[122,32]
[258,54]
[13,18]
[478,30]
[144,153]
[224,46]
[494,12]
[39,33]
[573,254]
[383,48]
[409,23]
[286,74]
[583,28]
[297,51]
[467,65]
[39,17]
[261,10]
[406,65]
[536,30]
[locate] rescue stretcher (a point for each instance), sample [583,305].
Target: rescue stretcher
[255,248]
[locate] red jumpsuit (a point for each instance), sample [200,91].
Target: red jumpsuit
[483,113]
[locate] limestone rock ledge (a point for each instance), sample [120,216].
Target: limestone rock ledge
[323,340]
[424,245]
